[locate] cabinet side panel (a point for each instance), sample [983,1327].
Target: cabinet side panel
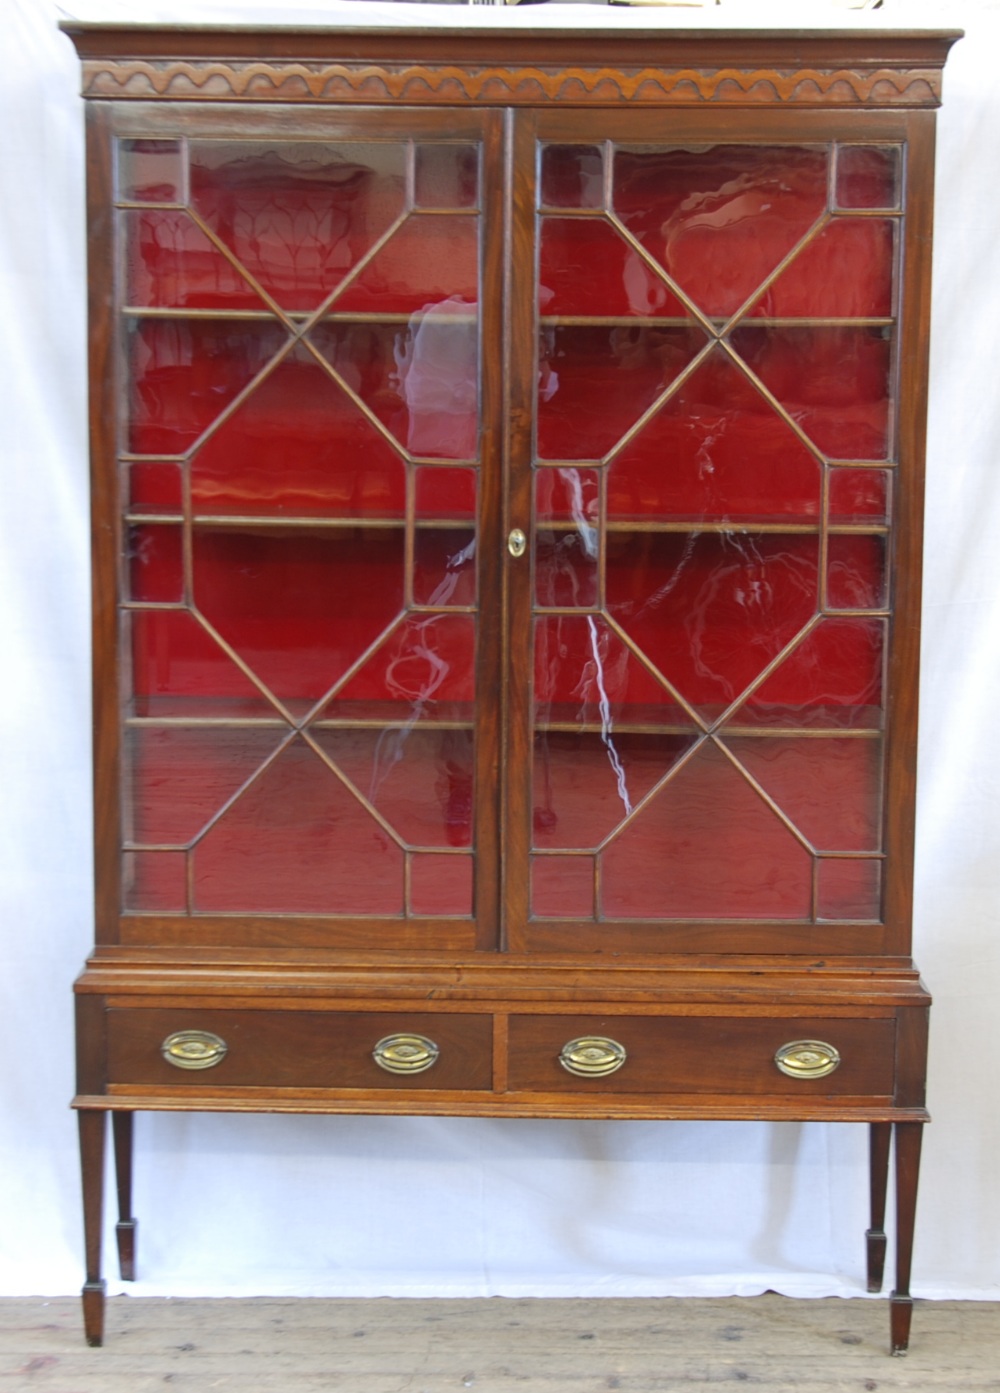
[903,674]
[104,518]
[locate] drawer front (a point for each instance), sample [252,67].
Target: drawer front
[700,1054]
[301,1049]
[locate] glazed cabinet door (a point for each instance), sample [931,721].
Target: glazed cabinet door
[301,473]
[721,491]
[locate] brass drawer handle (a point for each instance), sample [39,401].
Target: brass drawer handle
[592,1056]
[405,1054]
[194,1049]
[807,1059]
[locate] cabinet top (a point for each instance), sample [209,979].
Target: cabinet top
[504,65]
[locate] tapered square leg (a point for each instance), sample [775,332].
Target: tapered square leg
[125,1229]
[908,1138]
[92,1134]
[880,1138]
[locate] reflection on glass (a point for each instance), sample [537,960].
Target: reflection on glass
[586,783]
[859,495]
[183,373]
[720,219]
[150,171]
[171,263]
[155,564]
[856,573]
[868,176]
[595,382]
[715,450]
[444,567]
[571,176]
[298,215]
[832,677]
[567,555]
[424,667]
[587,267]
[428,260]
[712,610]
[417,778]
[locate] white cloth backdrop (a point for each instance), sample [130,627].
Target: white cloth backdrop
[237,1205]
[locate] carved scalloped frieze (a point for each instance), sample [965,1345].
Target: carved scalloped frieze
[181,80]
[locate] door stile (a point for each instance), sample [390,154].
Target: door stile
[490,654]
[519,403]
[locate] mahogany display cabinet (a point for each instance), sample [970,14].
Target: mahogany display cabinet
[507,479]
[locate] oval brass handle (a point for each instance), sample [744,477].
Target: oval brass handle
[807,1059]
[194,1049]
[405,1054]
[516,542]
[592,1056]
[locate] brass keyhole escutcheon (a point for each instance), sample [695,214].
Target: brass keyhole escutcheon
[516,542]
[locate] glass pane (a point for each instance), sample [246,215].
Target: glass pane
[444,567]
[831,789]
[711,610]
[720,218]
[844,272]
[706,846]
[446,176]
[277,596]
[587,267]
[428,262]
[183,373]
[150,171]
[446,494]
[298,842]
[716,450]
[154,486]
[420,379]
[154,882]
[178,777]
[595,382]
[868,176]
[298,215]
[418,778]
[298,445]
[170,262]
[155,564]
[833,677]
[562,887]
[584,785]
[440,884]
[179,669]
[586,675]
[849,889]
[856,573]
[833,382]
[425,668]
[571,176]
[859,495]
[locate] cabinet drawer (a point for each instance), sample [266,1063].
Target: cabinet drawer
[301,1049]
[700,1054]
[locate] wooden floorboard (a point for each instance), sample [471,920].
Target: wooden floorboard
[495,1346]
